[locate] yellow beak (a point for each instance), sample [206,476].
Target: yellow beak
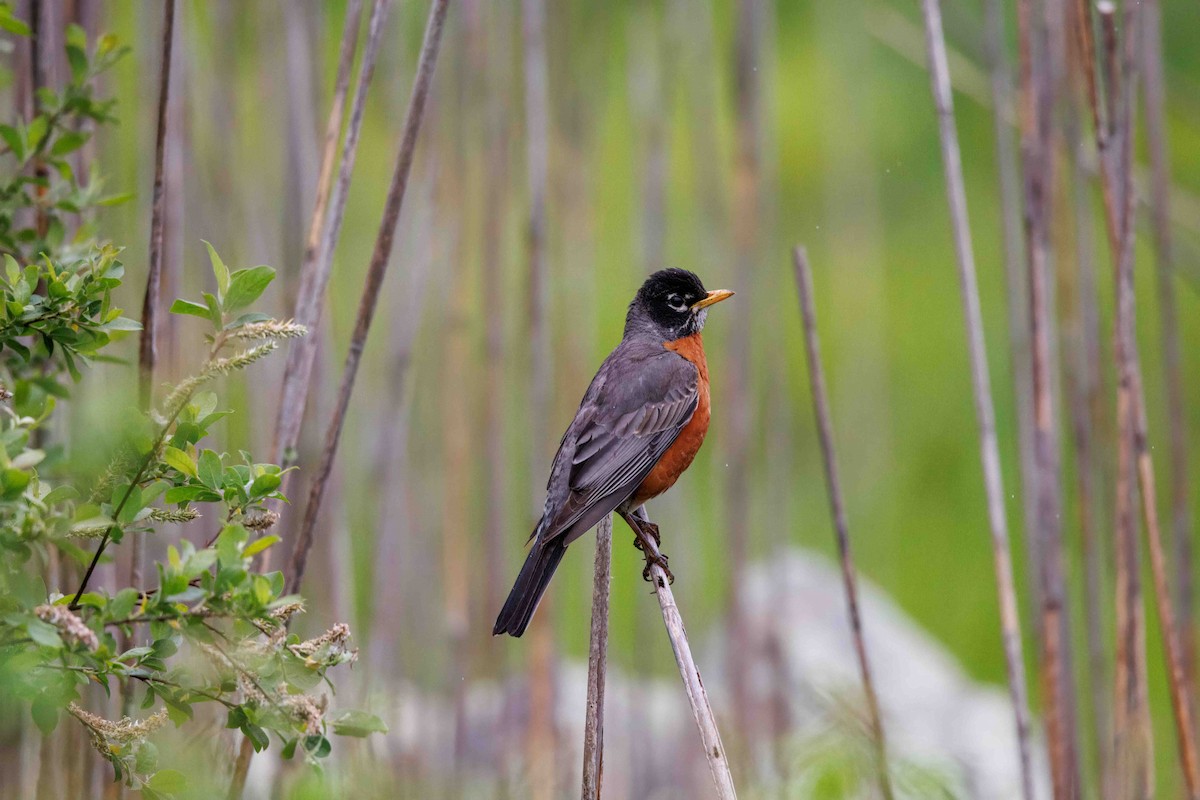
[715,296]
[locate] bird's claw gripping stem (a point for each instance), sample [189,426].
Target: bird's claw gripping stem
[661,560]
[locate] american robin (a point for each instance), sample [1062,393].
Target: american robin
[641,422]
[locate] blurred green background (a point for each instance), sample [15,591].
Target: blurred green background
[642,149]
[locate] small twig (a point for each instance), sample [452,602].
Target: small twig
[593,726]
[370,295]
[816,379]
[706,722]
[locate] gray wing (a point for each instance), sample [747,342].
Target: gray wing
[634,410]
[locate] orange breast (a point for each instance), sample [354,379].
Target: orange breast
[679,455]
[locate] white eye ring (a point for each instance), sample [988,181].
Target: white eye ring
[676,302]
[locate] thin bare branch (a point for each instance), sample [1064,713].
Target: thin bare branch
[816,376]
[593,726]
[375,275]
[1010,623]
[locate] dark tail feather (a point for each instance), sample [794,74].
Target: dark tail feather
[530,586]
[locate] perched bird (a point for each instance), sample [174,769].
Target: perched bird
[641,422]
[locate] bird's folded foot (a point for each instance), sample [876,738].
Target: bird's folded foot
[652,529]
[661,561]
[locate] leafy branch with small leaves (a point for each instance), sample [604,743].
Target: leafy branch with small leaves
[211,630]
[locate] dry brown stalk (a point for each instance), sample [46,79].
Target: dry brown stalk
[326,222]
[1037,155]
[376,271]
[816,376]
[1010,623]
[1082,335]
[148,340]
[1009,172]
[1177,440]
[593,726]
[1134,455]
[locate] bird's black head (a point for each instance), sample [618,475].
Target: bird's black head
[672,303]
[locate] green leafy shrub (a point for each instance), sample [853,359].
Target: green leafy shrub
[208,628]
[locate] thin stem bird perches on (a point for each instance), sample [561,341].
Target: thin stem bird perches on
[371,288]
[985,412]
[706,721]
[593,725]
[816,378]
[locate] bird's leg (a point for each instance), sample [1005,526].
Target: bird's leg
[647,541]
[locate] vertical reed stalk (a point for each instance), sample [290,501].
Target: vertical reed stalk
[816,376]
[541,740]
[593,726]
[985,412]
[1036,110]
[1177,439]
[326,222]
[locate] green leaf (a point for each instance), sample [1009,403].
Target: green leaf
[186,494]
[220,271]
[12,138]
[43,633]
[214,309]
[115,199]
[69,142]
[182,306]
[199,562]
[60,494]
[11,24]
[246,285]
[264,484]
[121,324]
[121,606]
[317,746]
[257,736]
[11,268]
[45,714]
[229,545]
[12,483]
[177,459]
[168,781]
[209,470]
[258,545]
[358,723]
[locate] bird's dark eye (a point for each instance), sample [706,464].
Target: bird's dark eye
[676,302]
